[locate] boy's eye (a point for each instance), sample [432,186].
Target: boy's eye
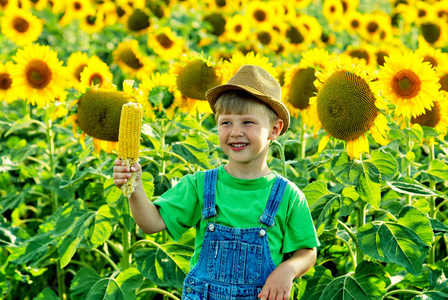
[225,123]
[248,122]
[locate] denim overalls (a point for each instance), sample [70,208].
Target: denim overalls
[234,263]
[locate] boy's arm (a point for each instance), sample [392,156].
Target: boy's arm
[145,213]
[279,283]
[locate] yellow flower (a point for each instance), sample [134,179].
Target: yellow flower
[238,60]
[98,113]
[4,5]
[39,75]
[259,12]
[194,76]
[131,60]
[74,9]
[137,21]
[432,55]
[237,28]
[7,92]
[408,82]
[333,11]
[437,116]
[92,21]
[166,44]
[21,26]
[76,63]
[434,33]
[310,26]
[161,95]
[347,106]
[363,54]
[353,22]
[95,73]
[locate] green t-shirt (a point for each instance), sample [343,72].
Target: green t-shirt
[239,203]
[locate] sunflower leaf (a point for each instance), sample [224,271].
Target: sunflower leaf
[438,169]
[405,242]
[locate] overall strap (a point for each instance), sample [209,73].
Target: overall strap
[268,216]
[211,177]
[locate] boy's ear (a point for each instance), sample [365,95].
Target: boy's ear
[276,129]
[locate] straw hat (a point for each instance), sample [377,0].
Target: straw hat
[259,83]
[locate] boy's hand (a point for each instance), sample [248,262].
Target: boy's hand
[123,173]
[278,284]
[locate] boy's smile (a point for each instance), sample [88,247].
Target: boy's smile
[245,140]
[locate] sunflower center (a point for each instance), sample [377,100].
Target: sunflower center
[302,88]
[354,23]
[38,74]
[221,3]
[360,53]
[79,70]
[346,106]
[96,79]
[294,35]
[429,118]
[431,60]
[380,55]
[218,23]
[77,5]
[260,15]
[421,13]
[444,82]
[129,58]
[264,37]
[164,41]
[20,24]
[238,28]
[372,27]
[406,84]
[91,19]
[431,32]
[5,81]
[138,20]
[195,79]
[99,113]
[332,9]
[3,3]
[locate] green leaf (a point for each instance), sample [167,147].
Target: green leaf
[438,285]
[368,282]
[438,227]
[438,169]
[83,281]
[324,205]
[87,284]
[129,280]
[46,294]
[414,189]
[405,242]
[369,191]
[165,265]
[187,122]
[385,163]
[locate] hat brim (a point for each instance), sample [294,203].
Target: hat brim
[279,107]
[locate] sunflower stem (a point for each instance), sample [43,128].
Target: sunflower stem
[432,208]
[282,156]
[125,239]
[360,222]
[54,197]
[408,149]
[302,138]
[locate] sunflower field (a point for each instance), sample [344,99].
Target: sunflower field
[366,83]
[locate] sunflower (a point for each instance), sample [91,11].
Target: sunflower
[441,10]
[7,92]
[194,76]
[297,39]
[238,60]
[237,28]
[95,73]
[433,33]
[166,44]
[374,26]
[74,9]
[160,94]
[333,11]
[311,26]
[285,11]
[97,114]
[76,63]
[21,26]
[436,117]
[39,75]
[216,23]
[316,58]
[109,11]
[38,4]
[301,3]
[424,12]
[137,21]
[225,6]
[363,55]
[347,106]
[92,21]
[353,22]
[5,4]
[432,55]
[267,38]
[410,83]
[259,12]
[131,61]
[349,6]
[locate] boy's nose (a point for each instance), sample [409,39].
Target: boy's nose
[236,131]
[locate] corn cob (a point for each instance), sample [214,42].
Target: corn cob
[129,141]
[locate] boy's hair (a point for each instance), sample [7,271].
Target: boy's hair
[240,103]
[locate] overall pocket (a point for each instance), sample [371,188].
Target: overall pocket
[234,262]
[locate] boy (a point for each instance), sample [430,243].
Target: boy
[234,206]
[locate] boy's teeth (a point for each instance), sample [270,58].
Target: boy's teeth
[238,145]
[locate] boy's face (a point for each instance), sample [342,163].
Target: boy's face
[245,138]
